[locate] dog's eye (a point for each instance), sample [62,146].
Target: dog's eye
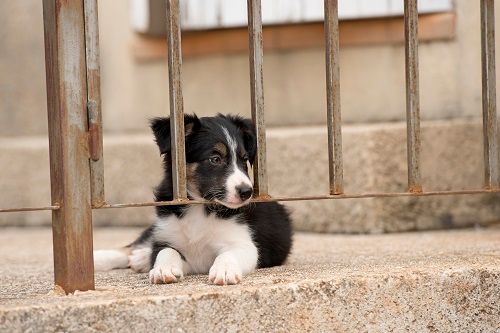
[215,159]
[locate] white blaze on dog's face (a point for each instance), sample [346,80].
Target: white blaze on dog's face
[238,184]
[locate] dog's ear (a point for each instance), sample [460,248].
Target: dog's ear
[247,127]
[161,130]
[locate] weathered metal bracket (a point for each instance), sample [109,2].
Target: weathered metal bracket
[95,132]
[94,113]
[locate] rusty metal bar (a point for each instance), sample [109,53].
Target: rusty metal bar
[94,103]
[28,209]
[490,121]
[412,95]
[178,154]
[64,32]
[257,95]
[273,199]
[313,197]
[333,97]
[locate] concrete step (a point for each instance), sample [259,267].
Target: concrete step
[440,281]
[374,161]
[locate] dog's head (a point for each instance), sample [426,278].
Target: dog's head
[218,153]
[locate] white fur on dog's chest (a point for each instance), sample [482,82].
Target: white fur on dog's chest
[200,238]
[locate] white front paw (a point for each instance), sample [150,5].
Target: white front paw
[165,274]
[167,267]
[225,271]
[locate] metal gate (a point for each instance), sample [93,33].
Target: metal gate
[75,128]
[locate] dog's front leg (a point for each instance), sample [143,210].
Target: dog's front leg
[232,263]
[168,267]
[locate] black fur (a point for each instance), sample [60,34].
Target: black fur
[272,232]
[145,236]
[269,222]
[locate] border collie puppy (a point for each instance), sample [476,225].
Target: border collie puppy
[227,238]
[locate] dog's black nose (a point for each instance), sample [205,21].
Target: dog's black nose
[244,191]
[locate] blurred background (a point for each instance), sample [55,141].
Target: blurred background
[216,79]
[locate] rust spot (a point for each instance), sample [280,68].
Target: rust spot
[415,189]
[58,291]
[262,197]
[94,141]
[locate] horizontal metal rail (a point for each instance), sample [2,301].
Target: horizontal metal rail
[306,198]
[28,209]
[273,199]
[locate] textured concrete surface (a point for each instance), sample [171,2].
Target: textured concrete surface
[374,161]
[446,281]
[372,76]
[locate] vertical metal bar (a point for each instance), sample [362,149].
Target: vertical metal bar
[94,103]
[68,143]
[333,97]
[412,96]
[257,95]
[490,122]
[176,102]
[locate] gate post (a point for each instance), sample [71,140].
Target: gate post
[68,143]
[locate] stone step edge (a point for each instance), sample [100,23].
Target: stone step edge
[267,299]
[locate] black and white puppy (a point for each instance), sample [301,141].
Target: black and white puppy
[227,238]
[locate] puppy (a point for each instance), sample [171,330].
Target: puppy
[227,238]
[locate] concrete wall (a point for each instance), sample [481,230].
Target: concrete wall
[372,87]
[374,161]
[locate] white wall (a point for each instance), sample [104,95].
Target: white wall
[207,14]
